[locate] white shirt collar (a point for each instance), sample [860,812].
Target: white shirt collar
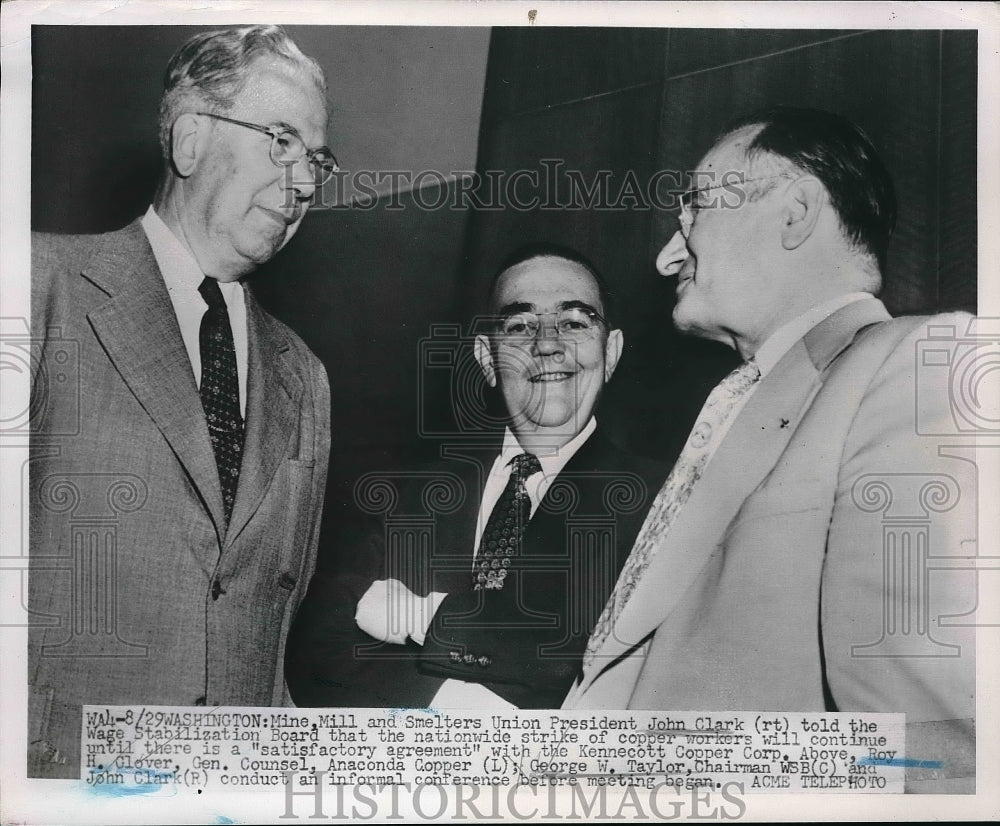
[552,463]
[182,277]
[181,272]
[782,339]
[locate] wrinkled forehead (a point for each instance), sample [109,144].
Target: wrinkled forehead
[546,283]
[278,91]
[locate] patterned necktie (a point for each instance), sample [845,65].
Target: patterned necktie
[502,536]
[220,391]
[705,436]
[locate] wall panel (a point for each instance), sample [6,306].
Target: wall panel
[529,70]
[957,249]
[557,94]
[886,82]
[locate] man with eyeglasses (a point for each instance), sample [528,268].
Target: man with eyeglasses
[198,434]
[798,556]
[496,613]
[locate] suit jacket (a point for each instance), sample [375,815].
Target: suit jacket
[139,593]
[524,641]
[800,575]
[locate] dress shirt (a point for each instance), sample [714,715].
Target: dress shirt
[779,343]
[536,485]
[782,339]
[183,276]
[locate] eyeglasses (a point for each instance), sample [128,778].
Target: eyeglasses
[574,324]
[287,147]
[690,205]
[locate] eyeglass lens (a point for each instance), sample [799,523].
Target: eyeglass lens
[287,147]
[571,322]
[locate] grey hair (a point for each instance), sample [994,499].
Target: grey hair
[210,70]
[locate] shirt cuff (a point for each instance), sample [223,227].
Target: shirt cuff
[430,607]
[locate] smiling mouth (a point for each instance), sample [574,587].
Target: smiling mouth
[560,375]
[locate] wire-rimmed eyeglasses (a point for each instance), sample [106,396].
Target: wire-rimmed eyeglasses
[287,147]
[572,323]
[690,200]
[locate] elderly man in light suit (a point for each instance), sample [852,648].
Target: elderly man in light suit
[176,488]
[783,566]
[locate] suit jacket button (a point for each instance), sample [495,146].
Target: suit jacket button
[287,581]
[217,589]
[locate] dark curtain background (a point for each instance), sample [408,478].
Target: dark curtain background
[383,294]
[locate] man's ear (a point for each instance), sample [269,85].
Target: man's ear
[484,355]
[188,139]
[612,352]
[804,201]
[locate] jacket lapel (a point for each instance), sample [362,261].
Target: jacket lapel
[746,456]
[456,532]
[273,392]
[138,329]
[587,478]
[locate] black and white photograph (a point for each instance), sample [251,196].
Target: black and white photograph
[551,371]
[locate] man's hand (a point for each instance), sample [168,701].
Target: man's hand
[391,612]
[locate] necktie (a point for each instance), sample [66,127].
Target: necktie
[705,436]
[502,536]
[220,391]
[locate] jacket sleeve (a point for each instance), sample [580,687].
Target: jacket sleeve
[498,638]
[526,640]
[898,591]
[329,661]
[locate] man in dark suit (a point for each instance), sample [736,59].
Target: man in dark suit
[490,604]
[176,489]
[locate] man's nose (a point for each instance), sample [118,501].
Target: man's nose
[548,340]
[673,255]
[300,179]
